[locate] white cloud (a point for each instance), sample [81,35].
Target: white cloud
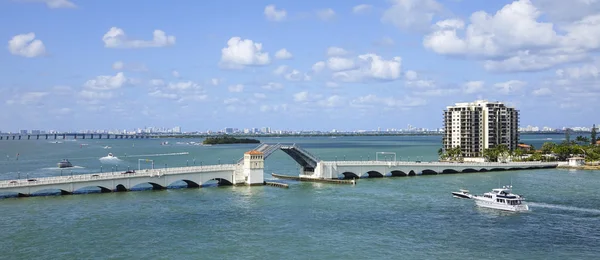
[116,38]
[332,101]
[28,98]
[118,65]
[184,86]
[272,14]
[339,64]
[157,82]
[296,75]
[280,69]
[371,67]
[160,94]
[272,86]
[301,96]
[273,108]
[567,11]
[516,38]
[240,53]
[236,88]
[260,95]
[331,84]
[542,92]
[336,51]
[421,83]
[94,95]
[411,14]
[283,54]
[26,45]
[361,9]
[510,86]
[586,71]
[107,82]
[175,74]
[55,4]
[230,101]
[473,87]
[318,66]
[411,75]
[326,14]
[215,81]
[372,100]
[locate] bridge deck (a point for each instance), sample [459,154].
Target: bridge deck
[112,176]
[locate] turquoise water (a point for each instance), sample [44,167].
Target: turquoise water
[388,218]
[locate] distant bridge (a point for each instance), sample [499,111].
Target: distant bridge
[62,136]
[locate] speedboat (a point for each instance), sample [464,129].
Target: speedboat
[462,194]
[107,147]
[110,155]
[502,199]
[64,164]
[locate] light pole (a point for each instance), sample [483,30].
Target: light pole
[100,168]
[187,162]
[194,161]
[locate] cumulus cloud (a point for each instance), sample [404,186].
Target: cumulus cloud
[272,14]
[107,82]
[326,14]
[159,94]
[283,54]
[54,4]
[28,98]
[26,45]
[318,66]
[411,14]
[411,75]
[272,86]
[137,67]
[332,101]
[473,86]
[236,88]
[240,53]
[510,86]
[184,86]
[542,92]
[301,96]
[516,38]
[116,38]
[336,51]
[339,64]
[280,69]
[362,9]
[371,67]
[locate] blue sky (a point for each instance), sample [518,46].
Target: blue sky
[321,65]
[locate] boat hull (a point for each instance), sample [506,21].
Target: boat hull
[64,165]
[484,203]
[461,195]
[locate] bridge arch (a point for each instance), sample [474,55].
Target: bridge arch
[188,184]
[428,172]
[397,173]
[349,175]
[93,189]
[219,182]
[372,174]
[449,171]
[469,170]
[43,191]
[120,188]
[153,186]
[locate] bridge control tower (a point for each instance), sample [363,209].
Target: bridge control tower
[254,165]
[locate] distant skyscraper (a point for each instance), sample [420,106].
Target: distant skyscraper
[229,130]
[480,125]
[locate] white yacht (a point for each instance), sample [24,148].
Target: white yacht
[502,199]
[462,194]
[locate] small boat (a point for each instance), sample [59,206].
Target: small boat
[462,194]
[502,199]
[64,164]
[110,155]
[107,147]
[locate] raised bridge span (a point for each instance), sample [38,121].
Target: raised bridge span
[250,171]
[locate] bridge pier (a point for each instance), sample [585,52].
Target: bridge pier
[64,192]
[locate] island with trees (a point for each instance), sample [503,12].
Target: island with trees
[229,140]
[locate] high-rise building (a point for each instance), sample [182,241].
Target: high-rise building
[480,125]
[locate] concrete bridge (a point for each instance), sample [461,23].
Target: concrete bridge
[62,136]
[250,171]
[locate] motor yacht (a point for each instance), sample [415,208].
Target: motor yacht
[502,199]
[462,194]
[64,164]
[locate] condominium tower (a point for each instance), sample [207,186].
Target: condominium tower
[480,125]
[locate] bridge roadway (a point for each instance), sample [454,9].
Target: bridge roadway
[358,169]
[194,176]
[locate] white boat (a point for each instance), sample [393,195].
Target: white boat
[462,194]
[502,199]
[110,155]
[107,147]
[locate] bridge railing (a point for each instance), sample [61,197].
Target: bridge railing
[395,163]
[114,175]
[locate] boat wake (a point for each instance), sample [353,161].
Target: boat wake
[158,154]
[110,159]
[561,207]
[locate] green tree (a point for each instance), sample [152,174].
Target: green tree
[582,140]
[593,137]
[548,147]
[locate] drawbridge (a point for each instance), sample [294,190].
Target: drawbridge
[307,160]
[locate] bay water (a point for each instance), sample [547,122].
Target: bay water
[383,218]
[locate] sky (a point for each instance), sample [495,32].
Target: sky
[293,65]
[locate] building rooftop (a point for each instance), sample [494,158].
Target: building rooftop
[254,152]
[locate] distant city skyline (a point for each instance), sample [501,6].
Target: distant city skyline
[301,65]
